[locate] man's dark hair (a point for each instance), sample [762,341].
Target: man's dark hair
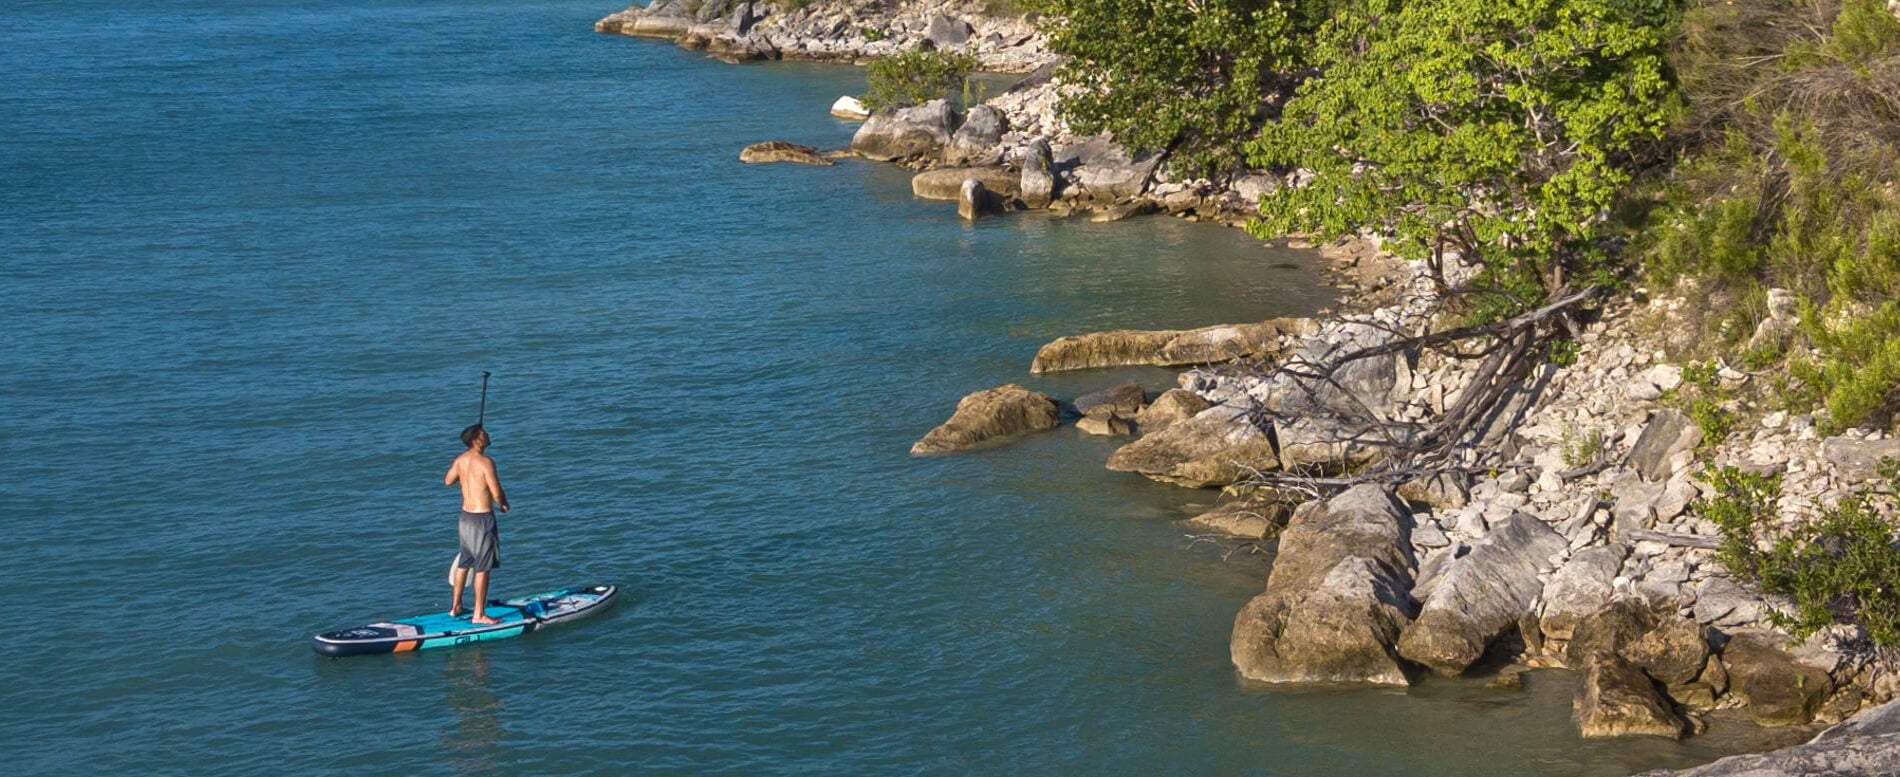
[469,434]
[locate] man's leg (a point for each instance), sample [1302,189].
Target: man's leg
[481,599]
[458,576]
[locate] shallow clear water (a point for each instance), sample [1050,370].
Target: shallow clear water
[255,256]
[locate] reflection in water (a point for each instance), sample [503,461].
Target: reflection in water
[471,743]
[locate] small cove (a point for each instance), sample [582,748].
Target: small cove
[258,256]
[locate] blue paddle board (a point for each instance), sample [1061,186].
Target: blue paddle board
[514,617]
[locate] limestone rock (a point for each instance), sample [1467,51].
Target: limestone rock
[1610,629]
[1252,520]
[1335,601]
[1481,596]
[905,132]
[1674,650]
[848,107]
[1104,170]
[1173,406]
[1441,491]
[1857,459]
[1617,699]
[1777,689]
[1122,211]
[974,200]
[1324,444]
[1125,400]
[990,414]
[1166,347]
[1105,424]
[1579,588]
[781,151]
[1214,448]
[1038,177]
[976,141]
[1668,433]
[946,183]
[1866,744]
[947,33]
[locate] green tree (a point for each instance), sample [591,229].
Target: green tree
[1501,128]
[1192,78]
[916,76]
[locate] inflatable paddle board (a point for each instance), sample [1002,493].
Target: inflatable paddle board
[437,630]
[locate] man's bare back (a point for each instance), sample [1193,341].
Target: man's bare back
[481,486]
[481,493]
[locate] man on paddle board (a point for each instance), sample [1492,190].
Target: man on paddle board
[480,548]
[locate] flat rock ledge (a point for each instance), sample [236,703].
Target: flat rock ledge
[1336,599]
[1244,519]
[944,183]
[1866,744]
[1214,448]
[781,151]
[989,415]
[1168,347]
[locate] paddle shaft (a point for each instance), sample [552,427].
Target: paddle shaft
[482,414]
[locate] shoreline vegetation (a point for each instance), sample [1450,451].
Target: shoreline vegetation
[1613,387]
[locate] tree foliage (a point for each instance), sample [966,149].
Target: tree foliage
[1501,128]
[1193,78]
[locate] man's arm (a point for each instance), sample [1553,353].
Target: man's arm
[455,473]
[494,485]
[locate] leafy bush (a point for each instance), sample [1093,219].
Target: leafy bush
[1790,178]
[1843,567]
[915,77]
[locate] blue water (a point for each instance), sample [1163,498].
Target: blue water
[254,257]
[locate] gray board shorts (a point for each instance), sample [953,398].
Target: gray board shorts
[480,546]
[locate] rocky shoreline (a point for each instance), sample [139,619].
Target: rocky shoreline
[1577,548]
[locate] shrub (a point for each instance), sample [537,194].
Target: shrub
[1843,567]
[915,77]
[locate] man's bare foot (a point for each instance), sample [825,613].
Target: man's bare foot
[454,613]
[482,620]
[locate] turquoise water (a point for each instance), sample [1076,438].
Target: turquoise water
[255,256]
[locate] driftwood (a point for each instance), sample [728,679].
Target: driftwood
[1676,538]
[1450,441]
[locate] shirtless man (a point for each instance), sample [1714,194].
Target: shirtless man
[480,547]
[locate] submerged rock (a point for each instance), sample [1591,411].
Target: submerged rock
[1125,400]
[1104,424]
[1336,599]
[1214,448]
[1481,596]
[1616,699]
[781,151]
[1251,520]
[990,414]
[945,183]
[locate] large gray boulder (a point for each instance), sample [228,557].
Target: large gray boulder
[946,32]
[1579,588]
[902,133]
[1124,400]
[1864,745]
[1104,170]
[1214,448]
[1039,178]
[1668,434]
[1858,459]
[976,142]
[988,415]
[1336,599]
[1481,596]
[974,200]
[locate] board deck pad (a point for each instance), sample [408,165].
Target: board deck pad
[437,630]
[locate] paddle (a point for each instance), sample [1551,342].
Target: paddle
[482,414]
